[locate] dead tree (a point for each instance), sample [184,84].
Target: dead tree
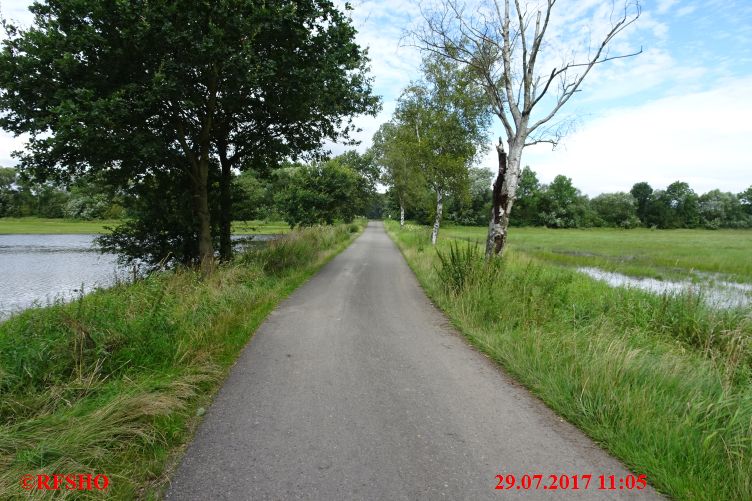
[502,41]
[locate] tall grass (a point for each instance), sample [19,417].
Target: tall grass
[113,382]
[663,382]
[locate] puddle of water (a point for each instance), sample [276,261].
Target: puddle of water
[246,242]
[720,294]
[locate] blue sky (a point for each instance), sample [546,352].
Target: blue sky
[680,110]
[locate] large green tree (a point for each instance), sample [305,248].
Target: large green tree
[132,87]
[722,210]
[616,209]
[642,193]
[318,193]
[528,199]
[562,205]
[745,197]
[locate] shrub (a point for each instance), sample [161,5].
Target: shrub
[459,266]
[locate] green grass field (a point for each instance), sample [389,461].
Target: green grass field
[662,382]
[639,252]
[38,226]
[256,227]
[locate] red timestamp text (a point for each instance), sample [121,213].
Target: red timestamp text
[570,482]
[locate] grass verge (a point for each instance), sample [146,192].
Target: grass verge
[663,382]
[114,383]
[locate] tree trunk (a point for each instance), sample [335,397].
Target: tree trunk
[437,222]
[201,212]
[402,213]
[225,207]
[502,198]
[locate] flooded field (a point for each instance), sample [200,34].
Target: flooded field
[716,293]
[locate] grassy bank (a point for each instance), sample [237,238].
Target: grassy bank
[42,226]
[256,227]
[664,383]
[638,252]
[113,383]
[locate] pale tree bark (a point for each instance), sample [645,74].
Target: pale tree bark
[502,198]
[402,214]
[437,221]
[501,43]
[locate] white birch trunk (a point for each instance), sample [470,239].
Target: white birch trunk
[402,215]
[437,222]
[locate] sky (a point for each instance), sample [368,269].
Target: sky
[681,110]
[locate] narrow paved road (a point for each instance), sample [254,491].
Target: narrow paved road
[357,388]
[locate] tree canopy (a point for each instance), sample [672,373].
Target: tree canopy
[139,89]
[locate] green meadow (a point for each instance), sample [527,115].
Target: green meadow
[639,252]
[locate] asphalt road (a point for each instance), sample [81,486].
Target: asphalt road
[356,387]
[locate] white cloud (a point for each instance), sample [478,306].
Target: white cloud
[686,10]
[665,5]
[8,144]
[701,138]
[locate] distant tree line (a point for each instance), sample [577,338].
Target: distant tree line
[302,194]
[21,197]
[561,205]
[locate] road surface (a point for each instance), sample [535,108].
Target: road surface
[356,387]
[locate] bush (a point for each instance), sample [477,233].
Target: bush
[298,248]
[459,266]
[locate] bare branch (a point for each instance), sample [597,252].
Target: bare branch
[553,142]
[486,40]
[506,54]
[569,89]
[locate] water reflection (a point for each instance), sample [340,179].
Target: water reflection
[716,293]
[41,269]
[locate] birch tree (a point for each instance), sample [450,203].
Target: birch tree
[392,156]
[446,112]
[503,42]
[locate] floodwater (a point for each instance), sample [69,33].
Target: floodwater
[38,270]
[42,269]
[716,293]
